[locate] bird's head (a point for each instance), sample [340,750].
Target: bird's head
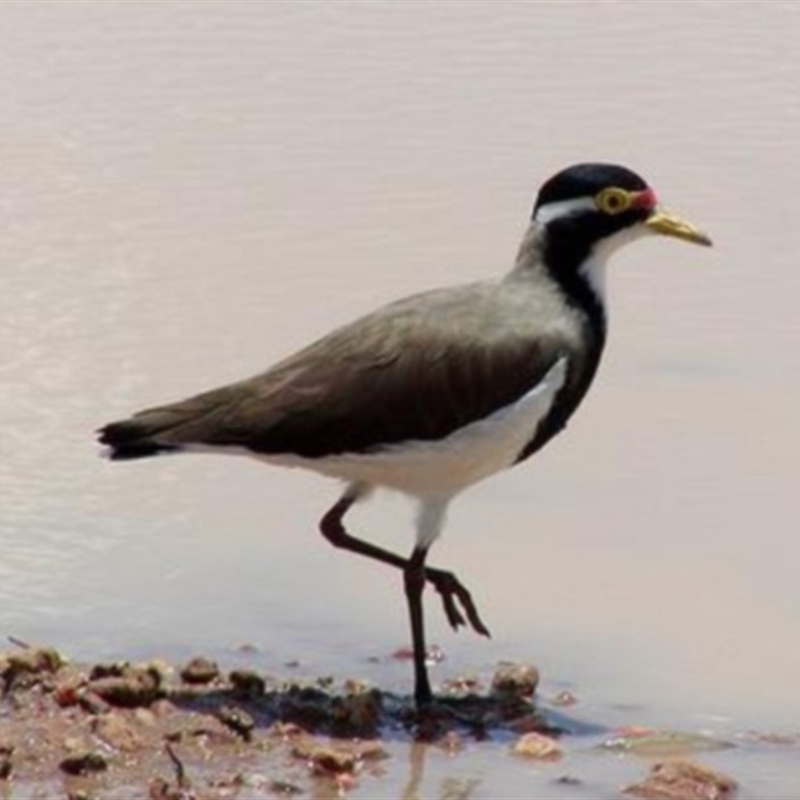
[587,211]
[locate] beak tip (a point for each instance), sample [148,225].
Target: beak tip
[704,240]
[669,224]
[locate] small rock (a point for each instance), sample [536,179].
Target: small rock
[132,687]
[118,732]
[84,763]
[237,720]
[93,703]
[515,680]
[536,745]
[325,760]
[115,670]
[564,698]
[358,711]
[305,705]
[247,685]
[125,692]
[39,659]
[683,780]
[24,669]
[200,671]
[67,694]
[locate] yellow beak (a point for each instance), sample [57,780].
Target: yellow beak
[672,225]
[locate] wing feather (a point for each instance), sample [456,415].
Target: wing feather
[414,370]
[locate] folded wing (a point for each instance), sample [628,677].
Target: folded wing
[413,371]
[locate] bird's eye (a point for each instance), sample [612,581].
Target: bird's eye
[613,200]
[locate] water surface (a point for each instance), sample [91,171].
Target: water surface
[192,190]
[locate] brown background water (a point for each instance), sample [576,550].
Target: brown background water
[190,191]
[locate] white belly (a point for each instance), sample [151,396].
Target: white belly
[445,466]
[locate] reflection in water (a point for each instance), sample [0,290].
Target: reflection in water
[450,788]
[416,770]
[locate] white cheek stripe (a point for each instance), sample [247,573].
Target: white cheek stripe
[563,208]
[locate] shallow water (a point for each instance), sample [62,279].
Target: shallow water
[192,190]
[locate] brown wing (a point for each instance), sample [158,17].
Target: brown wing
[418,369]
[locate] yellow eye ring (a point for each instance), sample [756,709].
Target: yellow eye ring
[613,200]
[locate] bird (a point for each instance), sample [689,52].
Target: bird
[435,392]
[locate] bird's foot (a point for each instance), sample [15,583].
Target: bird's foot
[432,720]
[453,593]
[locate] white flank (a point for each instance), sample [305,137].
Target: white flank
[433,471]
[442,468]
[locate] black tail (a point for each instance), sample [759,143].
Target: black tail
[130,439]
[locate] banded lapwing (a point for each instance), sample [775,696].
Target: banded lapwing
[435,392]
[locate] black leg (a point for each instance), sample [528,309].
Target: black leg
[414,579]
[446,584]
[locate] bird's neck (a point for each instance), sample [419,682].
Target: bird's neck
[577,270]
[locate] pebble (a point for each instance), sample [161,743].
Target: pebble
[683,780]
[84,763]
[238,720]
[325,760]
[129,687]
[247,685]
[39,659]
[337,759]
[23,669]
[199,671]
[538,746]
[515,680]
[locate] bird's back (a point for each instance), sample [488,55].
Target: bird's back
[417,369]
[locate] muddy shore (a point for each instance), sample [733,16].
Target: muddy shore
[193,732]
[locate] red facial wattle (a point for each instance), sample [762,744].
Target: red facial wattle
[645,200]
